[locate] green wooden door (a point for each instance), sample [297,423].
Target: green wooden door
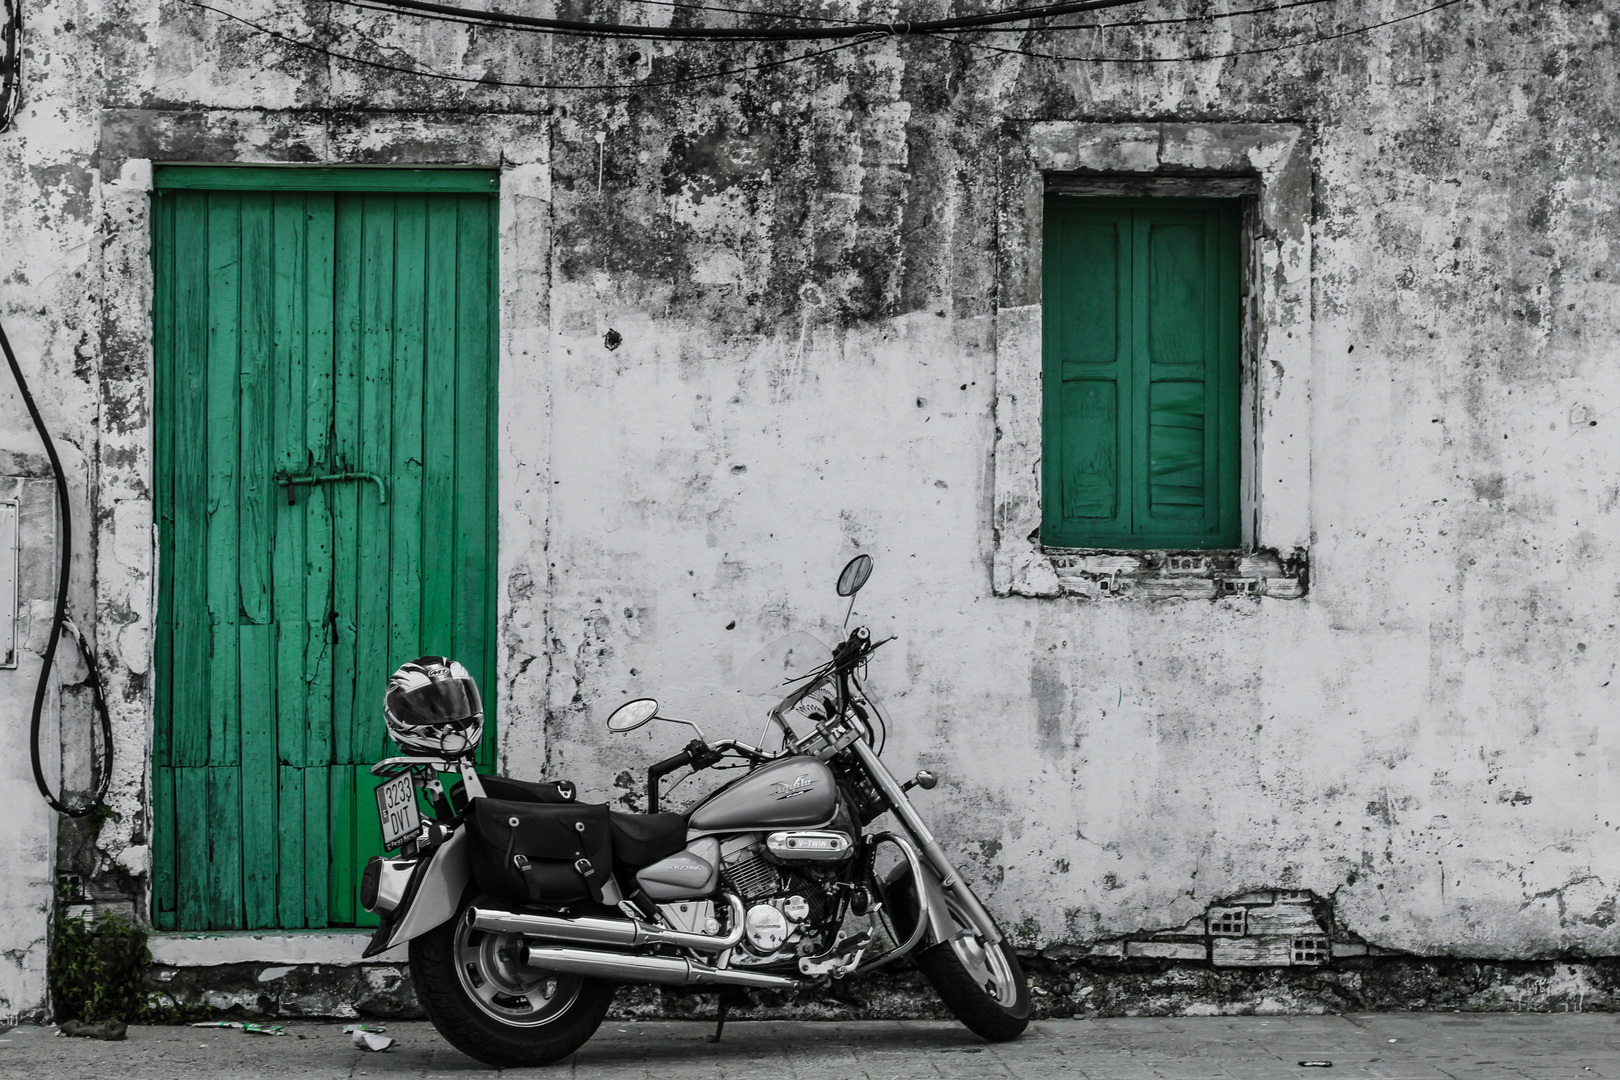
[309,322]
[1140,425]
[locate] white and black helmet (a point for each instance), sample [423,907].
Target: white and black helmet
[433,708]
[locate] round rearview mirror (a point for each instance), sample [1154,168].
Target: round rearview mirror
[856,571]
[632,714]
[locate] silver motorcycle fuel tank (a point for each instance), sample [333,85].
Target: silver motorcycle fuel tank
[792,792]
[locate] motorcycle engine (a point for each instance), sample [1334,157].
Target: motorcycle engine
[785,908]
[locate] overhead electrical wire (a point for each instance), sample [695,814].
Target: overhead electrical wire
[872,32]
[896,28]
[471,18]
[1176,20]
[509,84]
[1199,58]
[739,11]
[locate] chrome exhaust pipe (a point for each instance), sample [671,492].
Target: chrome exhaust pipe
[664,970]
[591,930]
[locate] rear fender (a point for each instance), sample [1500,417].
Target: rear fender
[431,898]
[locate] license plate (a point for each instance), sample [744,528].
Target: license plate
[396,808]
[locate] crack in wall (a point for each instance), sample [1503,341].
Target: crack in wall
[1260,928]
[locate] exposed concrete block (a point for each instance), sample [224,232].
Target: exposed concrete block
[1271,950]
[1166,950]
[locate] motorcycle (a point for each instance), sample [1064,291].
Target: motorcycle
[524,909]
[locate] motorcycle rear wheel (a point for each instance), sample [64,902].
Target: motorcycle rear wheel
[490,1007]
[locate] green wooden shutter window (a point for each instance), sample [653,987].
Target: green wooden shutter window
[309,331]
[1140,426]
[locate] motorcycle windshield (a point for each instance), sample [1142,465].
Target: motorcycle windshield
[773,671]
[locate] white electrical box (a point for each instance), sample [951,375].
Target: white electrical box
[8,583]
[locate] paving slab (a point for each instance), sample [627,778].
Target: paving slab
[1380,1046]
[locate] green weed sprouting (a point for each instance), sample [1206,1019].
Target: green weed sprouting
[95,970]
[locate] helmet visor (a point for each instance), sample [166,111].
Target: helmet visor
[444,701]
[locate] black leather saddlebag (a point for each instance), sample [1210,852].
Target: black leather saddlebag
[541,853]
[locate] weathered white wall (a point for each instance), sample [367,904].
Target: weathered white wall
[1425,738]
[48,302]
[802,271]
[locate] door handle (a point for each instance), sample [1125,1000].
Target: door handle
[292,481]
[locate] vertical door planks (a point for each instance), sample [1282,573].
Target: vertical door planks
[301,331]
[473,580]
[374,535]
[347,380]
[405,518]
[439,430]
[186,523]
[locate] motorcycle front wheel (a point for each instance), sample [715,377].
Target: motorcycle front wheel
[981,983]
[490,1006]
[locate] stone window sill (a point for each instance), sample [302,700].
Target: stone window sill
[1104,574]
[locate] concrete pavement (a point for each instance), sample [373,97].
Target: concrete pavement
[1389,1046]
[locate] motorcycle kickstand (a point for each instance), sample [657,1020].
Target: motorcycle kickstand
[727,996]
[720,1020]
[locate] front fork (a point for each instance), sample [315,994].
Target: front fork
[948,877]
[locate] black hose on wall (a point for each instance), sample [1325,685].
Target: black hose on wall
[57,622]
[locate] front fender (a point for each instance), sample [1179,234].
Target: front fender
[431,898]
[904,904]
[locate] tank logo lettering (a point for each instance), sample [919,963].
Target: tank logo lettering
[802,785]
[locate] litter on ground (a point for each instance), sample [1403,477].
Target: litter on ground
[370,1040]
[109,1030]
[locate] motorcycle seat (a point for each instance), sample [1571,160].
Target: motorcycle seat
[503,787]
[642,839]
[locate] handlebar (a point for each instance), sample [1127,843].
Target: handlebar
[699,755]
[744,749]
[658,771]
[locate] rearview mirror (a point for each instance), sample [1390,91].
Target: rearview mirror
[855,573]
[632,714]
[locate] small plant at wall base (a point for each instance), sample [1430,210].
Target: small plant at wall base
[95,970]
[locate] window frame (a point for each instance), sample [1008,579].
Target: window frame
[1270,165]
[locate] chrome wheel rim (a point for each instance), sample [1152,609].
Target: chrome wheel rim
[505,988]
[986,964]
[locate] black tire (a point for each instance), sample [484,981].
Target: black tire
[571,1008]
[998,1016]
[981,1013]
